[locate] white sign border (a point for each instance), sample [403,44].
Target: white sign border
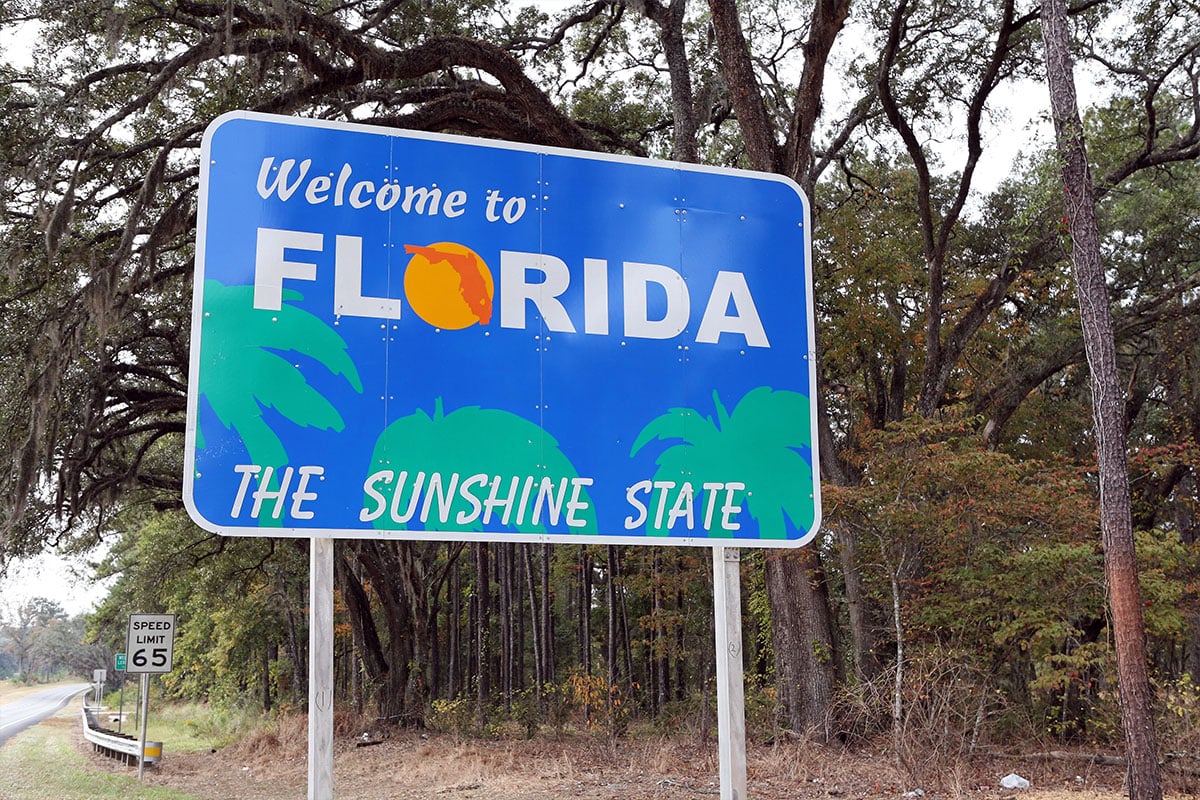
[193,395]
[130,668]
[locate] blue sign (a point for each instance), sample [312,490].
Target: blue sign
[404,335]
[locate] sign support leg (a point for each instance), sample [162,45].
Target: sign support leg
[144,689]
[320,670]
[731,707]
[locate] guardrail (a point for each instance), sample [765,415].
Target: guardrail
[116,745]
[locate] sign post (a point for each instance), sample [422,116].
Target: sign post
[150,646]
[731,706]
[144,693]
[320,670]
[402,335]
[98,678]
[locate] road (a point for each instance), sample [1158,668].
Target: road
[32,709]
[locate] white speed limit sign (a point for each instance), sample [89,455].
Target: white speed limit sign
[150,643]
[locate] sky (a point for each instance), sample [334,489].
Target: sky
[53,577]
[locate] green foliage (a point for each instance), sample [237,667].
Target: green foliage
[455,716]
[610,704]
[526,712]
[234,600]
[40,643]
[992,554]
[1179,719]
[200,727]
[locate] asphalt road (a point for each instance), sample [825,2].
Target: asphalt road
[32,709]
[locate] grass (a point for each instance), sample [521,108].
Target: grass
[43,763]
[185,727]
[191,727]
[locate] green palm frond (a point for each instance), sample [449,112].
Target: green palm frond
[758,444]
[244,372]
[468,441]
[684,424]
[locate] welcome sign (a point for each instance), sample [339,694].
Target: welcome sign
[414,336]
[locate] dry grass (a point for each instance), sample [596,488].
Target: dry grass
[410,765]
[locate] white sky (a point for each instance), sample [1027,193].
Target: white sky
[54,578]
[17,42]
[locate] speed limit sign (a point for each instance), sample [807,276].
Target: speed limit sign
[150,643]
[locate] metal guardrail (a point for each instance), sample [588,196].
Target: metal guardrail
[116,745]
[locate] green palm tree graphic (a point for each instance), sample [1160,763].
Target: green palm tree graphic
[429,460]
[758,445]
[243,372]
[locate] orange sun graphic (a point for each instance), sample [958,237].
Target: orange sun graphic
[448,285]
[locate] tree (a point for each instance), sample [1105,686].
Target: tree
[1108,414]
[63,647]
[239,605]
[26,625]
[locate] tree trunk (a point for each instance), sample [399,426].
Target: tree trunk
[504,583]
[586,633]
[670,18]
[613,632]
[470,643]
[623,619]
[802,633]
[535,623]
[680,630]
[435,648]
[898,680]
[661,652]
[454,669]
[519,614]
[1116,524]
[266,678]
[297,649]
[483,644]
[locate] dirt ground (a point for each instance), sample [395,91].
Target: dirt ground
[413,765]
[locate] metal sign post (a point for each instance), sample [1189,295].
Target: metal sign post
[320,670]
[144,690]
[98,677]
[731,709]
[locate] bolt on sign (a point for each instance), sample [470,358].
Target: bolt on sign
[405,335]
